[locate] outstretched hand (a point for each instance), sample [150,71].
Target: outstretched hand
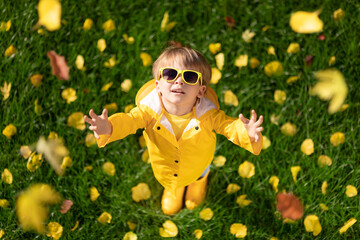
[252,126]
[99,124]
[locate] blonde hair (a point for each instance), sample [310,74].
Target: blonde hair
[186,56]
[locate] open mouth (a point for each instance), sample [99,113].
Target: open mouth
[177,91]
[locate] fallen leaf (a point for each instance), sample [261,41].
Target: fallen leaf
[307,146]
[294,172]
[94,194]
[88,24]
[347,225]
[129,40]
[76,120]
[239,230]
[337,139]
[198,233]
[126,85]
[232,188]
[140,192]
[219,161]
[215,47]
[9,131]
[146,59]
[309,60]
[104,218]
[10,51]
[5,90]
[247,36]
[306,22]
[206,214]
[351,191]
[109,168]
[220,58]
[241,61]
[101,45]
[242,201]
[165,24]
[288,129]
[109,25]
[59,66]
[312,224]
[273,68]
[279,96]
[49,12]
[289,206]
[66,205]
[338,14]
[230,98]
[36,79]
[54,230]
[246,169]
[215,75]
[274,181]
[69,94]
[230,22]
[169,229]
[130,236]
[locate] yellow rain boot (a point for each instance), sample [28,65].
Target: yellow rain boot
[196,192]
[171,204]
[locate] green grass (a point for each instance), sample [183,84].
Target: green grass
[199,23]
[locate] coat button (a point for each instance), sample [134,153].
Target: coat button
[175,175]
[197,128]
[158,128]
[176,161]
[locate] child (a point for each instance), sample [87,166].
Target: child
[179,112]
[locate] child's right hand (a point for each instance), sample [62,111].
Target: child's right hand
[99,124]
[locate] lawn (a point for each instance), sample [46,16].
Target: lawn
[37,111]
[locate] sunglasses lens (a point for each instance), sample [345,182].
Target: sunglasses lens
[191,77]
[169,74]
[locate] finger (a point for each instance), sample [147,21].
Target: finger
[92,114]
[88,120]
[260,121]
[259,129]
[253,116]
[96,135]
[93,128]
[105,113]
[243,119]
[256,138]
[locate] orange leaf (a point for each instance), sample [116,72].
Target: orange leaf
[289,206]
[59,66]
[66,205]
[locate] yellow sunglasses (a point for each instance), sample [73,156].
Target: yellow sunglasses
[190,77]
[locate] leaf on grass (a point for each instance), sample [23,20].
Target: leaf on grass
[109,25]
[198,233]
[254,63]
[104,218]
[312,224]
[146,59]
[79,62]
[169,229]
[239,230]
[215,47]
[220,59]
[7,176]
[101,45]
[94,194]
[54,230]
[230,22]
[36,79]
[246,169]
[273,68]
[10,51]
[324,187]
[219,161]
[266,143]
[324,160]
[4,203]
[230,98]
[5,90]
[9,131]
[347,225]
[129,40]
[232,188]
[351,191]
[34,162]
[66,205]
[140,192]
[242,201]
[241,61]
[49,12]
[294,172]
[88,24]
[306,22]
[76,120]
[126,85]
[289,206]
[247,36]
[293,48]
[279,96]
[206,214]
[337,139]
[109,168]
[59,67]
[307,146]
[338,14]
[130,236]
[165,24]
[69,94]
[288,129]
[215,75]
[274,181]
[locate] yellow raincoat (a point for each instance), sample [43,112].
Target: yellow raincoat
[177,163]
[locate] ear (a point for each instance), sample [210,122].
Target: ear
[157,86]
[201,92]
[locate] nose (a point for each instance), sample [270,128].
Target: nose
[179,80]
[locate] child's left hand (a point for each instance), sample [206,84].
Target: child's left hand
[252,126]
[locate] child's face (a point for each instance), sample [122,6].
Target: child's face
[178,93]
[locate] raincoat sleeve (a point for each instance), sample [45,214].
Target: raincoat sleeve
[124,124]
[234,130]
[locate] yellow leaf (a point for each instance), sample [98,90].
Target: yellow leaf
[331,86]
[10,51]
[4,203]
[106,87]
[266,142]
[76,120]
[79,62]
[294,171]
[53,135]
[254,63]
[239,230]
[219,161]
[25,151]
[271,50]
[273,68]
[5,26]
[215,47]
[324,160]
[126,85]
[101,45]
[339,14]
[246,169]
[241,61]
[351,191]
[344,107]
[49,12]
[88,168]
[232,188]
[41,31]
[37,107]
[220,59]
[112,107]
[54,231]
[323,207]
[206,214]
[140,192]
[109,25]
[165,25]
[2,233]
[111,62]
[292,79]
[324,187]
[88,24]
[279,96]
[198,233]
[90,140]
[104,218]
[288,129]
[275,118]
[312,224]
[129,40]
[169,229]
[146,59]
[347,225]
[109,168]
[128,108]
[66,162]
[307,147]
[9,131]
[131,225]
[36,79]
[75,227]
[332,60]
[274,181]
[247,35]
[130,236]
[94,194]
[31,206]
[69,94]
[215,76]
[242,201]
[293,48]
[306,22]
[230,98]
[337,138]
[34,162]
